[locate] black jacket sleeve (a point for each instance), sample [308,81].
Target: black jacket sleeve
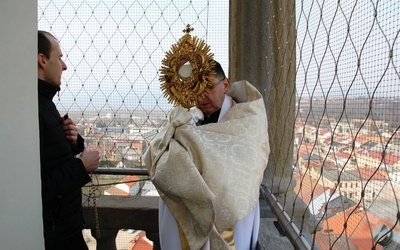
[64,178]
[79,146]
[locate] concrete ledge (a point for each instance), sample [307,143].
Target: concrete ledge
[269,237]
[141,213]
[123,212]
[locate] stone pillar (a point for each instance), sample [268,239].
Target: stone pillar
[106,241]
[262,50]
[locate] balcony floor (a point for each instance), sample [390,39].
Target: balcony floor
[269,237]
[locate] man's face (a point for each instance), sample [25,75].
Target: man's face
[213,100]
[54,65]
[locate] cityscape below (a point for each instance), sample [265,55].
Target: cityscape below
[346,170]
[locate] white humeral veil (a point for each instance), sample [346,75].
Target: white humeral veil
[209,176]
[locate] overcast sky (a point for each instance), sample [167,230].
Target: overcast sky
[114,49]
[348,48]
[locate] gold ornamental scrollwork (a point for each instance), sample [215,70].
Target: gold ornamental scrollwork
[186,70]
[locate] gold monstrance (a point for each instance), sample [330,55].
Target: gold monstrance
[186,70]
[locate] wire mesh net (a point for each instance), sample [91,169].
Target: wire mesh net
[346,135]
[111,89]
[347,119]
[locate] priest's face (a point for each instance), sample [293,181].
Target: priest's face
[213,100]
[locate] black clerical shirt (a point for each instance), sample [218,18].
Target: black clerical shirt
[213,118]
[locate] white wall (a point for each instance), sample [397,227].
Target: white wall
[20,199]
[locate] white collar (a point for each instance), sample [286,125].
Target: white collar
[226,105]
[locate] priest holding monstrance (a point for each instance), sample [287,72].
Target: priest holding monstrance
[208,162]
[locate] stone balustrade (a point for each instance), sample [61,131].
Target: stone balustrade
[122,212]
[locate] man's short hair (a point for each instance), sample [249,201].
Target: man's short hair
[220,74]
[44,44]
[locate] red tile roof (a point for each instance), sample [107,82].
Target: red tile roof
[307,187]
[140,242]
[116,191]
[390,158]
[354,225]
[130,180]
[373,174]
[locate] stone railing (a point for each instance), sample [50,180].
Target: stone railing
[141,213]
[120,212]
